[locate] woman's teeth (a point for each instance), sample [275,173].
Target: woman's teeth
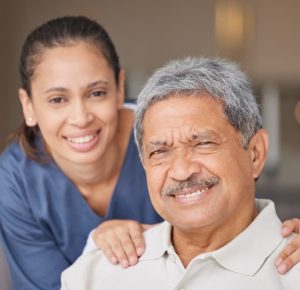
[81,140]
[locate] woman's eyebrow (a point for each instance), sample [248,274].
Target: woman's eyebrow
[56,89]
[96,83]
[88,86]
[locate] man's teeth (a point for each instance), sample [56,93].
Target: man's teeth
[193,194]
[81,140]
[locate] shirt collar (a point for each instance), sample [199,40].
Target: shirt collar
[246,253]
[158,241]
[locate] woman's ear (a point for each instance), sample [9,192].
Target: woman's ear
[258,146]
[121,89]
[27,108]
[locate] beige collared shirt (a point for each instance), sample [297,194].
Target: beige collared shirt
[246,263]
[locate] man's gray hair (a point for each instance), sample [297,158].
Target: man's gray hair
[219,79]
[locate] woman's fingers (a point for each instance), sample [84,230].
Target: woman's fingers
[107,250]
[289,226]
[290,255]
[121,241]
[136,233]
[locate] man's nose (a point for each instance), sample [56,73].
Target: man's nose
[183,166]
[80,114]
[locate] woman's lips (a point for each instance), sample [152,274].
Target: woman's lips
[83,143]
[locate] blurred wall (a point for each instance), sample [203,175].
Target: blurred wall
[149,33]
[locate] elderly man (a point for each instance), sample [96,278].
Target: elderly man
[201,141]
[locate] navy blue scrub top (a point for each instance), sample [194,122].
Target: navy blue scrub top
[44,220]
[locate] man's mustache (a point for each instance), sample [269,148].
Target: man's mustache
[179,186]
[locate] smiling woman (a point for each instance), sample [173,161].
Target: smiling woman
[73,163]
[75,112]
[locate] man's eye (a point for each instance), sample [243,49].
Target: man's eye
[57,100]
[204,143]
[157,153]
[205,146]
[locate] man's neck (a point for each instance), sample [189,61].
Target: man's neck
[190,244]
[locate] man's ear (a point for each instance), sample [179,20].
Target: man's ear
[121,89]
[258,146]
[27,108]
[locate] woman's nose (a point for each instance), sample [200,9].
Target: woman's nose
[80,115]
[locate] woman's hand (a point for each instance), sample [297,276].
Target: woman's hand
[291,254]
[121,241]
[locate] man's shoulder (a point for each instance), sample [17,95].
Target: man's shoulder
[161,230]
[91,261]
[95,259]
[92,269]
[86,268]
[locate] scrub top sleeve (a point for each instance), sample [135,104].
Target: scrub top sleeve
[35,261]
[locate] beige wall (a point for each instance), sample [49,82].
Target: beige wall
[148,33]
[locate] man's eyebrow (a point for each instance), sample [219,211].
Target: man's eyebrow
[207,134]
[154,144]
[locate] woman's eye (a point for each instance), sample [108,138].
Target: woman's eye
[98,93]
[57,100]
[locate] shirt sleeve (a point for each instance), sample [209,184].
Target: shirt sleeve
[34,258]
[63,283]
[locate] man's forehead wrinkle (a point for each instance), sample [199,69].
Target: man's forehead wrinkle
[184,134]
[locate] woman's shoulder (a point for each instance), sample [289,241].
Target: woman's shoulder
[23,178]
[13,167]
[12,154]
[14,163]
